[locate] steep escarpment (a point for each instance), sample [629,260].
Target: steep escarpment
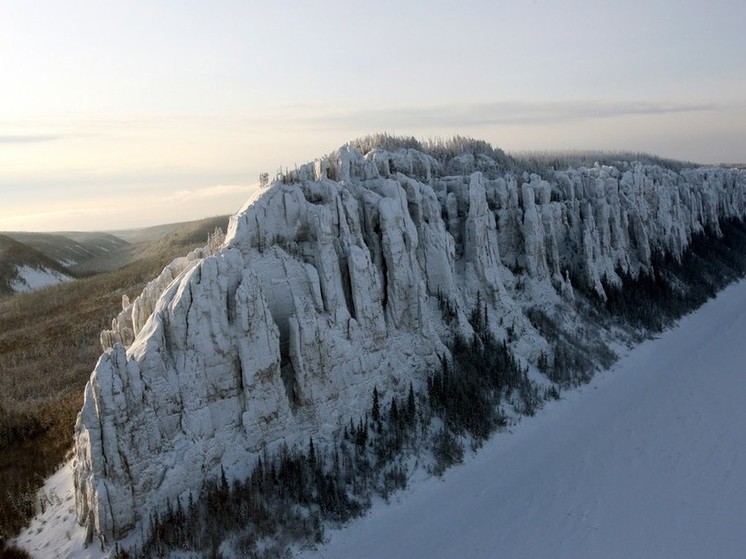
[331,283]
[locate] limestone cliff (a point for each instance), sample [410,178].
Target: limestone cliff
[327,285]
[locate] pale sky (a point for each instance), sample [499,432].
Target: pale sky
[125,114]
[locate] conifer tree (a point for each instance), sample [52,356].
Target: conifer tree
[311,453]
[393,412]
[410,404]
[376,412]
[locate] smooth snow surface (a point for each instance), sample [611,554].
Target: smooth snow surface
[649,460]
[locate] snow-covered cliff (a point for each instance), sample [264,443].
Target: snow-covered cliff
[327,285]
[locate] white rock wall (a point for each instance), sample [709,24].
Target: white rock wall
[325,288]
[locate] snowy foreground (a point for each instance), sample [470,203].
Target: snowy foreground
[649,460]
[646,461]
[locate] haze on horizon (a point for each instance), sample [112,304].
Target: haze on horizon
[118,115]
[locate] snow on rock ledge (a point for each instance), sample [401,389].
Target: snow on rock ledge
[326,287]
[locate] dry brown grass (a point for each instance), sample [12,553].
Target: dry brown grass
[48,348]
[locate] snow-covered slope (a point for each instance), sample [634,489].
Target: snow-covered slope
[646,461]
[30,278]
[328,285]
[24,269]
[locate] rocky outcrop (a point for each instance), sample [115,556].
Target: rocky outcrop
[327,286]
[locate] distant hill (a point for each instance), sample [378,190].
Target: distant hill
[79,253]
[145,234]
[153,241]
[71,249]
[24,268]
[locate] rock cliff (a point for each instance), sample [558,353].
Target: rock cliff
[327,285]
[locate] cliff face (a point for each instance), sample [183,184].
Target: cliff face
[328,286]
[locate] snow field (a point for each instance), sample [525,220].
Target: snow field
[646,461]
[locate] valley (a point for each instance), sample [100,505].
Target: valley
[49,343]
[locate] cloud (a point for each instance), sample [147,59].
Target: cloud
[191,194]
[121,211]
[27,138]
[497,113]
[42,220]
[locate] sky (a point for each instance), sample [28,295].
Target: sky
[126,114]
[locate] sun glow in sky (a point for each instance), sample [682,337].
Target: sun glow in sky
[124,114]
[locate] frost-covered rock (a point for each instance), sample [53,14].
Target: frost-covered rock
[327,287]
[133,317]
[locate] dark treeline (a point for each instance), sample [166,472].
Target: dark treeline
[572,357]
[647,303]
[674,288]
[467,391]
[293,493]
